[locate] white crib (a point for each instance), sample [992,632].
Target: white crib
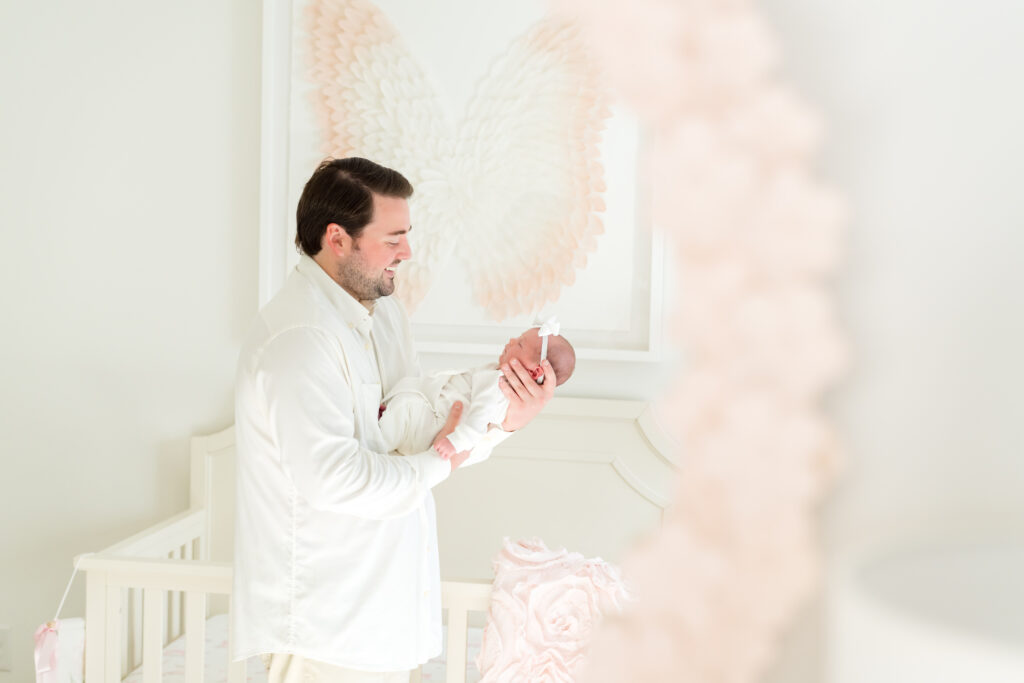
[590,475]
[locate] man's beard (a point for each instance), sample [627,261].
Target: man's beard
[362,286]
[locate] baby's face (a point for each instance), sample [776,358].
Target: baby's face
[525,348]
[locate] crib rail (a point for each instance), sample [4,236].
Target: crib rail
[181,530]
[146,591]
[460,598]
[151,588]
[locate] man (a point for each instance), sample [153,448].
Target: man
[336,566]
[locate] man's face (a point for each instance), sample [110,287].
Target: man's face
[368,269]
[525,348]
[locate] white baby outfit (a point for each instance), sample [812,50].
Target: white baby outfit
[417,407]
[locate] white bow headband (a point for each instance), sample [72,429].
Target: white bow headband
[547,328]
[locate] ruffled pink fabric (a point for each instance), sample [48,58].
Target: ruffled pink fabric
[544,607]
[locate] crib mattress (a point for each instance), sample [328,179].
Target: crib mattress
[216,659]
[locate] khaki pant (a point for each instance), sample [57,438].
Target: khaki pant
[284,668]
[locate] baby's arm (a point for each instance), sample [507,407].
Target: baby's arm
[487,404]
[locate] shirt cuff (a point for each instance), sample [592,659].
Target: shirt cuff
[483,449]
[431,467]
[459,441]
[495,436]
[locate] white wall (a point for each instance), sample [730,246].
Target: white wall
[128,216]
[925,108]
[129,179]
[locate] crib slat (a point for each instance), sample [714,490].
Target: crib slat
[455,665]
[126,649]
[195,635]
[152,635]
[173,605]
[236,670]
[173,615]
[95,625]
[136,634]
[112,637]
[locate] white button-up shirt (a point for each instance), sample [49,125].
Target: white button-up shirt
[335,541]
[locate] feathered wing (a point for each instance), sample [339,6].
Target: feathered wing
[372,100]
[529,150]
[515,191]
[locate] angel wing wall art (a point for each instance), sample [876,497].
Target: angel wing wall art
[512,192]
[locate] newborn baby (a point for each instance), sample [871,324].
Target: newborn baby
[417,408]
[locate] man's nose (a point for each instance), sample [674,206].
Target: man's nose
[405,253]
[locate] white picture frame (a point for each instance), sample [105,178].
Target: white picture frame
[641,342]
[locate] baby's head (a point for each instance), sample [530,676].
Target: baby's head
[526,349]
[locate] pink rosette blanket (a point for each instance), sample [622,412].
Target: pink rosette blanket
[545,605]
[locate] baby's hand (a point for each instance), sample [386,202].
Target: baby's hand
[444,448]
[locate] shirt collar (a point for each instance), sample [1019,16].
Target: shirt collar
[357,314]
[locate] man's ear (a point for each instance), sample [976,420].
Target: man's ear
[336,240]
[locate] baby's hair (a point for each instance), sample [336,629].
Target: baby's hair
[562,357]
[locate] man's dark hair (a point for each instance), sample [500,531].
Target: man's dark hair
[341,191]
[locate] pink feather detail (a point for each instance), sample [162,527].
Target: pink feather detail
[512,194]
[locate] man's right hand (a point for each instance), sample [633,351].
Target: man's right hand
[449,427]
[525,397]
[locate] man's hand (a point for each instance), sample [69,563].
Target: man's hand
[526,398]
[441,439]
[458,459]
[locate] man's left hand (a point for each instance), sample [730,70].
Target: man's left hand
[458,458]
[526,397]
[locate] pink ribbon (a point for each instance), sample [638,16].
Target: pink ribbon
[46,652]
